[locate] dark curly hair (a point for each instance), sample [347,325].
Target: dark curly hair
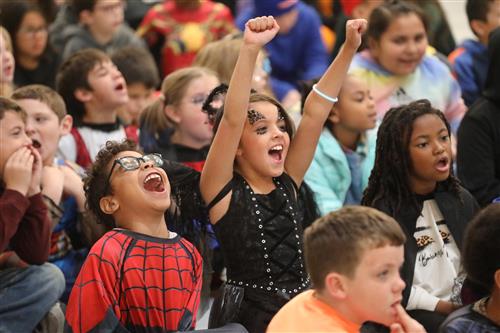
[389,179]
[95,180]
[480,245]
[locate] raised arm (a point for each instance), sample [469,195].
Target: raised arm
[319,102]
[218,169]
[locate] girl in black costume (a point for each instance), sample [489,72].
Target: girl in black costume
[251,180]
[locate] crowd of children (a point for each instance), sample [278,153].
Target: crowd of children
[114,196]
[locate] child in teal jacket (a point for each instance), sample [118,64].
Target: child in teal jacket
[346,150]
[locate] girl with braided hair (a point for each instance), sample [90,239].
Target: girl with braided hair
[412,181]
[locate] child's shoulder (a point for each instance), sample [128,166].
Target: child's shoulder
[70,165]
[469,319]
[111,244]
[432,66]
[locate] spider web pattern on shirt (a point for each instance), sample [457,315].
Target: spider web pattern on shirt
[149,284]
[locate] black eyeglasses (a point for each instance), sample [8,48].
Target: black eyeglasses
[129,163]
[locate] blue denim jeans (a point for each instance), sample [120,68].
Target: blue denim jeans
[27,294]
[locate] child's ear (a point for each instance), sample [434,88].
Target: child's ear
[496,277]
[334,117]
[109,204]
[83,95]
[479,27]
[66,124]
[172,114]
[335,285]
[85,17]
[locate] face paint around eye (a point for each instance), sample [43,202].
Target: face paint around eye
[281,115]
[254,116]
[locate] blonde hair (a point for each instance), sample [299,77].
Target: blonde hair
[5,87]
[6,37]
[174,86]
[220,56]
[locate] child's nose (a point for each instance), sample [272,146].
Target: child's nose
[147,165]
[439,148]
[399,285]
[278,133]
[412,47]
[30,129]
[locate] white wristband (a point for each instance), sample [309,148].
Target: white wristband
[325,96]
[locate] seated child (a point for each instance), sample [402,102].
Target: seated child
[93,90]
[27,293]
[481,260]
[139,276]
[353,257]
[412,181]
[346,149]
[470,60]
[139,70]
[101,27]
[7,63]
[175,125]
[62,186]
[175,30]
[478,149]
[299,38]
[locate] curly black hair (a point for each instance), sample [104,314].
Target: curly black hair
[389,179]
[95,180]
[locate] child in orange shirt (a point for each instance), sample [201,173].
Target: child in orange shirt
[353,257]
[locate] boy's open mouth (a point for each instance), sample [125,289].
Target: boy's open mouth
[36,144]
[154,183]
[119,87]
[276,153]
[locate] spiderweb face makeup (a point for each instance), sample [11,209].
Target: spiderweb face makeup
[281,115]
[254,116]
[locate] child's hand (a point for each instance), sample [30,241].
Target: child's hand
[52,183]
[18,170]
[405,323]
[260,30]
[445,307]
[354,31]
[36,173]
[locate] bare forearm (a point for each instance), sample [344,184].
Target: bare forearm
[238,93]
[330,83]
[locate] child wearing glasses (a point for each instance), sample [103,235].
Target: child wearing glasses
[139,276]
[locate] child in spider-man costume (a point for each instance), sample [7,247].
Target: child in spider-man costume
[140,276]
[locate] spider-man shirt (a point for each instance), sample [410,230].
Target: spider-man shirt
[139,283]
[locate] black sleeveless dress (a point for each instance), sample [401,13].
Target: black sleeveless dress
[261,241]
